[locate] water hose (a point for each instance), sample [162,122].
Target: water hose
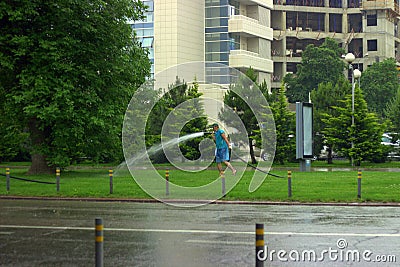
[248,164]
[258,169]
[28,180]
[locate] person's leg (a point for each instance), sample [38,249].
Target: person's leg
[218,159]
[219,166]
[229,165]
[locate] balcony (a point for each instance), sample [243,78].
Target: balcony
[247,59]
[380,4]
[265,3]
[249,27]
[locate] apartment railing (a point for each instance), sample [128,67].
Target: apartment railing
[241,17]
[244,52]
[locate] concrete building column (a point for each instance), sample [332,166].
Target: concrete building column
[326,22]
[345,22]
[283,22]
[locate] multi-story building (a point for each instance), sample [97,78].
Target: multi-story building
[234,33]
[145,31]
[367,28]
[238,34]
[267,35]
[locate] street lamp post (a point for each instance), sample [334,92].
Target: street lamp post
[355,74]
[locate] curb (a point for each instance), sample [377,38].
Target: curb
[219,202]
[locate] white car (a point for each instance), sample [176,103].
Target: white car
[387,140]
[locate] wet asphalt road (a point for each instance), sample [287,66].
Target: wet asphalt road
[61,233]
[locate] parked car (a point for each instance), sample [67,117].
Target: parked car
[323,155]
[261,154]
[391,139]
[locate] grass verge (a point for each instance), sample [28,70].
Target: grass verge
[94,182]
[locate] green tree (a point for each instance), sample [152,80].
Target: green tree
[380,84]
[285,123]
[243,111]
[318,65]
[68,70]
[10,143]
[196,122]
[365,134]
[392,112]
[325,99]
[267,137]
[192,112]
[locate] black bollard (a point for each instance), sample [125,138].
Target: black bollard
[99,242]
[359,184]
[167,182]
[58,179]
[8,179]
[110,174]
[223,185]
[260,245]
[289,177]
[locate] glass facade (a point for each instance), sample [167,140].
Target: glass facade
[218,40]
[145,32]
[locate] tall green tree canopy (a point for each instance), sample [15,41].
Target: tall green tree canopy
[244,85]
[318,65]
[361,141]
[325,99]
[392,112]
[182,101]
[380,84]
[67,71]
[285,123]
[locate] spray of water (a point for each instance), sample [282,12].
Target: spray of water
[173,142]
[137,160]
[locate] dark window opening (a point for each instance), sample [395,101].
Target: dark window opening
[372,20]
[372,45]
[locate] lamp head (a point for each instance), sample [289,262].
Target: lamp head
[357,73]
[349,58]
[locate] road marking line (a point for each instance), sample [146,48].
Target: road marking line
[201,241]
[189,231]
[6,233]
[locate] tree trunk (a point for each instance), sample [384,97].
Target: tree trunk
[329,149]
[253,158]
[39,165]
[39,162]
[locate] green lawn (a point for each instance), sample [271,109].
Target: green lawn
[315,186]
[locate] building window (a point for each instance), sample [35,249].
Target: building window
[372,45]
[335,3]
[216,2]
[151,53]
[217,57]
[218,40]
[353,3]
[147,42]
[221,46]
[216,22]
[216,12]
[372,20]
[144,32]
[234,45]
[150,6]
[217,36]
